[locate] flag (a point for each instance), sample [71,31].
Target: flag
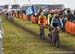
[30,10]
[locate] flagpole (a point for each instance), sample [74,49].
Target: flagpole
[29,2]
[9,6]
[16,6]
[15,1]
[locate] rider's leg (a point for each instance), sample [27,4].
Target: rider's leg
[40,34]
[53,40]
[57,42]
[40,31]
[43,33]
[48,31]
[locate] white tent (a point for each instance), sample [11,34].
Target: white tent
[67,3]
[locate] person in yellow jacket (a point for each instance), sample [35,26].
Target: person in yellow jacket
[50,16]
[41,22]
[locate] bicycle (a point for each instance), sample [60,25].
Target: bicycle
[55,37]
[42,31]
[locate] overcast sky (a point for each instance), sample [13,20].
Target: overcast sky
[67,3]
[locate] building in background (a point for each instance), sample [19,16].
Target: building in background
[1,9]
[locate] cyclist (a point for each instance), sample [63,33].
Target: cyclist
[55,32]
[55,35]
[41,24]
[50,16]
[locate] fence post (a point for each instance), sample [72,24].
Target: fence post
[0,37]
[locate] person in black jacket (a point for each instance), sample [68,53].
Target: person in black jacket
[69,15]
[74,17]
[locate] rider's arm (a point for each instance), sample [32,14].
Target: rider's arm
[49,16]
[48,19]
[52,22]
[58,29]
[61,23]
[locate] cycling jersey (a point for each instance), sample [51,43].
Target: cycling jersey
[41,19]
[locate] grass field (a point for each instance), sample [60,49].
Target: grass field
[19,41]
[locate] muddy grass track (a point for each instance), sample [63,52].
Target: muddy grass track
[66,48]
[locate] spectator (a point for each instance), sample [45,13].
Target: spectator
[69,15]
[64,21]
[74,17]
